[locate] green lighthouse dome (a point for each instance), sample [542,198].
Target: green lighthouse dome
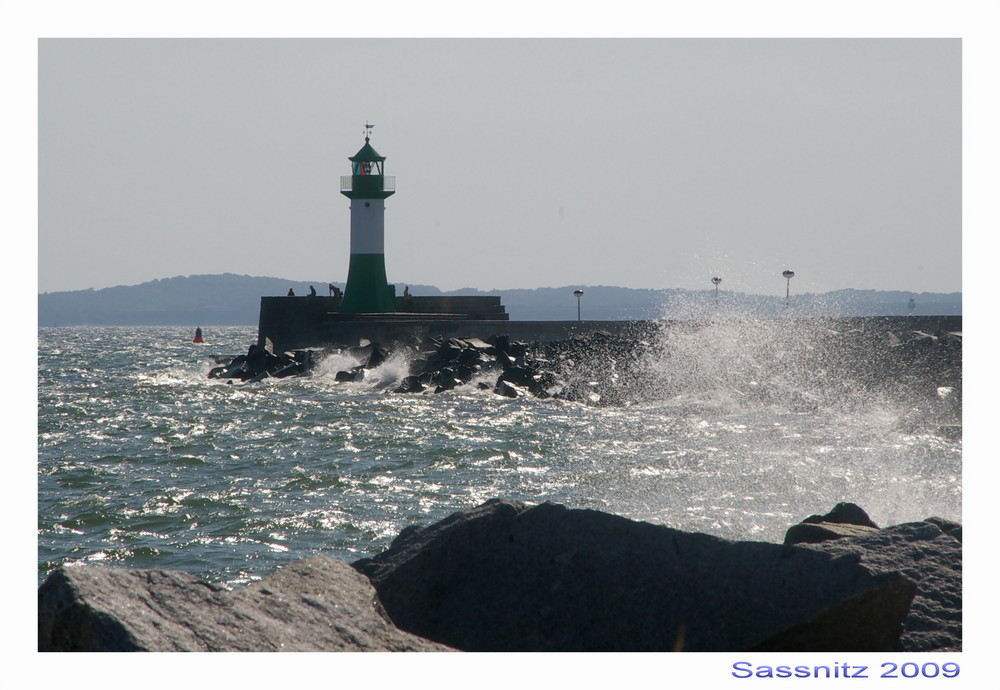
[367,154]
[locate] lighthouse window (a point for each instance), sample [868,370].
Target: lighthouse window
[367,204]
[366,167]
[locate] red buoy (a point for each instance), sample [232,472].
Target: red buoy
[197,336]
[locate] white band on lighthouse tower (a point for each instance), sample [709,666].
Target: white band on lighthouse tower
[368,226]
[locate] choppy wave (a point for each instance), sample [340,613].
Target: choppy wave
[733,428]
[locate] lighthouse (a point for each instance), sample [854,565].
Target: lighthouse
[367,290]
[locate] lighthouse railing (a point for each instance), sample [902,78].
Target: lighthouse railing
[367,183]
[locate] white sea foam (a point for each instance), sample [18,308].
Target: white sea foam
[737,427]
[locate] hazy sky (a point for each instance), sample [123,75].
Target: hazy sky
[645,163]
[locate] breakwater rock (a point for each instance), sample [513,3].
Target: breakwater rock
[589,368]
[803,365]
[317,604]
[800,364]
[508,576]
[546,578]
[929,553]
[260,363]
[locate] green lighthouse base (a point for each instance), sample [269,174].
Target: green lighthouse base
[367,290]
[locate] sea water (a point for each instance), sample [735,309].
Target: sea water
[145,462]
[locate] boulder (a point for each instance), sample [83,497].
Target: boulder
[370,355]
[505,389]
[260,363]
[410,384]
[470,357]
[519,376]
[350,376]
[317,604]
[464,373]
[845,520]
[949,527]
[929,558]
[846,514]
[508,577]
[481,345]
[445,380]
[811,533]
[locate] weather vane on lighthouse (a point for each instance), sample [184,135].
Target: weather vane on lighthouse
[368,130]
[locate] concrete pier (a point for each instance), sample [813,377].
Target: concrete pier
[315,322]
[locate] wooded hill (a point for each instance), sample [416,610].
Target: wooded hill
[234,300]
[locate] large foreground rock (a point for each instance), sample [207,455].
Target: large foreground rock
[317,604]
[930,558]
[508,577]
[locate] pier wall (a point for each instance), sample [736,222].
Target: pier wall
[292,323]
[299,322]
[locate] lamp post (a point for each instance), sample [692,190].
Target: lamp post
[715,282]
[788,275]
[579,294]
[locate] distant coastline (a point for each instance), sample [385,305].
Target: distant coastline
[234,300]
